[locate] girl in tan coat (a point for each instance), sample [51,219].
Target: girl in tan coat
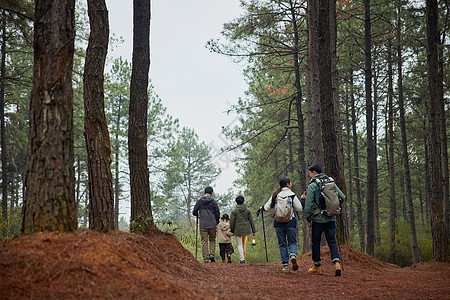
[223,238]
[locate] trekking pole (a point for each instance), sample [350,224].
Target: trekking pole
[339,246]
[196,238]
[264,231]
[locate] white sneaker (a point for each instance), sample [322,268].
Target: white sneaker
[286,270]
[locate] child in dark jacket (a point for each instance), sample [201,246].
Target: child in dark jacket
[223,238]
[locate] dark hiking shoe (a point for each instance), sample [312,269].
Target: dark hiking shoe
[212,259]
[337,269]
[242,261]
[294,262]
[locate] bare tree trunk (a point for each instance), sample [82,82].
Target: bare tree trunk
[117,169]
[427,171]
[314,151]
[375,142]
[349,158]
[50,182]
[2,122]
[101,213]
[78,185]
[445,171]
[371,158]
[339,173]
[391,164]
[359,206]
[409,200]
[438,228]
[137,126]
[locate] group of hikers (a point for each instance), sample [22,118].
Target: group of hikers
[285,203]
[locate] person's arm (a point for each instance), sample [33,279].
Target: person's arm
[196,207]
[310,203]
[232,222]
[297,204]
[340,193]
[217,211]
[266,206]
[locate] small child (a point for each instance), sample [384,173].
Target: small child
[223,238]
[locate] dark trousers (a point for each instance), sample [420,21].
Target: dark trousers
[329,228]
[225,249]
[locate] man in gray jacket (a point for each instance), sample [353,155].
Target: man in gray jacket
[207,210]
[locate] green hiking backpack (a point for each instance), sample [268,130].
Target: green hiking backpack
[329,202]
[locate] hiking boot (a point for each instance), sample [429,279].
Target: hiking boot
[315,270]
[229,258]
[242,261]
[337,269]
[211,258]
[286,270]
[294,262]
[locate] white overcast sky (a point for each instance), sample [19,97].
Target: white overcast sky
[195,85]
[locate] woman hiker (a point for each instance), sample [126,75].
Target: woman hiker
[284,202]
[241,225]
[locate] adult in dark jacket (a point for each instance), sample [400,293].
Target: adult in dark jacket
[241,225]
[207,210]
[320,222]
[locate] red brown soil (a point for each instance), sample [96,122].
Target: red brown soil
[119,265]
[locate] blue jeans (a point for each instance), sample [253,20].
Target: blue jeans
[330,230]
[291,234]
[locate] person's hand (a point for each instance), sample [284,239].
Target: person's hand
[303,196]
[254,234]
[310,224]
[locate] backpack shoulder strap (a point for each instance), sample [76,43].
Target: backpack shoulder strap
[319,182]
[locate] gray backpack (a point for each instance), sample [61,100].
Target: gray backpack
[283,208]
[329,202]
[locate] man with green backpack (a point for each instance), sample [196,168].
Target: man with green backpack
[322,205]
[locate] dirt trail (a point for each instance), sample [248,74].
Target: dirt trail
[119,265]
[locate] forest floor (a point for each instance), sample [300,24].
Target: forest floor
[120,265]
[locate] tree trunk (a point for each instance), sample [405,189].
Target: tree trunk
[117,169]
[101,197]
[49,202]
[338,174]
[391,164]
[409,199]
[2,122]
[359,206]
[375,142]
[438,228]
[313,145]
[445,171]
[298,99]
[349,158]
[137,126]
[427,171]
[371,158]
[78,184]
[300,125]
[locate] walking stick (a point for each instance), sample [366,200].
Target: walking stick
[264,231]
[196,238]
